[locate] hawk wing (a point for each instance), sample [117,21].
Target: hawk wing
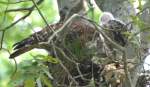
[33,41]
[118,29]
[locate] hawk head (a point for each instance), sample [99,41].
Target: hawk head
[117,28]
[105,18]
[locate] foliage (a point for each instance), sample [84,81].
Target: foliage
[32,67]
[94,12]
[23,29]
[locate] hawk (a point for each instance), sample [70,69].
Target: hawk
[79,30]
[115,28]
[33,41]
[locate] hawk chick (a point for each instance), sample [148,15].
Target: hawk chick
[116,28]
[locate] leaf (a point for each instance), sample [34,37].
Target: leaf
[137,21]
[94,12]
[46,81]
[92,83]
[51,59]
[47,73]
[29,83]
[46,58]
[140,5]
[16,77]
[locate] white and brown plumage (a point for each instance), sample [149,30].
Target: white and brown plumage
[116,28]
[32,41]
[78,29]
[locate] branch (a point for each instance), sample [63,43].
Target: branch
[23,17]
[11,25]
[62,65]
[29,9]
[64,54]
[63,27]
[142,11]
[105,36]
[50,28]
[126,69]
[3,32]
[1,45]
[20,1]
[19,9]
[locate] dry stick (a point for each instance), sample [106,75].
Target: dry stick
[142,11]
[50,28]
[111,41]
[19,9]
[16,21]
[4,18]
[119,47]
[72,9]
[72,54]
[39,83]
[126,69]
[76,15]
[63,53]
[80,73]
[3,32]
[63,27]
[62,65]
[1,45]
[77,64]
[97,27]
[2,2]
[15,70]
[124,55]
[142,30]
[23,17]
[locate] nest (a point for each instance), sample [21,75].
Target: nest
[84,57]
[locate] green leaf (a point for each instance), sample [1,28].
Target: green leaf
[29,82]
[46,81]
[140,5]
[47,58]
[92,83]
[94,12]
[48,73]
[51,59]
[137,21]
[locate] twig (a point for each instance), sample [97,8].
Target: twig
[15,70]
[142,30]
[80,73]
[126,69]
[50,28]
[3,32]
[63,27]
[62,65]
[11,25]
[38,81]
[74,8]
[19,9]
[142,11]
[105,36]
[1,45]
[23,17]
[63,53]
[20,1]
